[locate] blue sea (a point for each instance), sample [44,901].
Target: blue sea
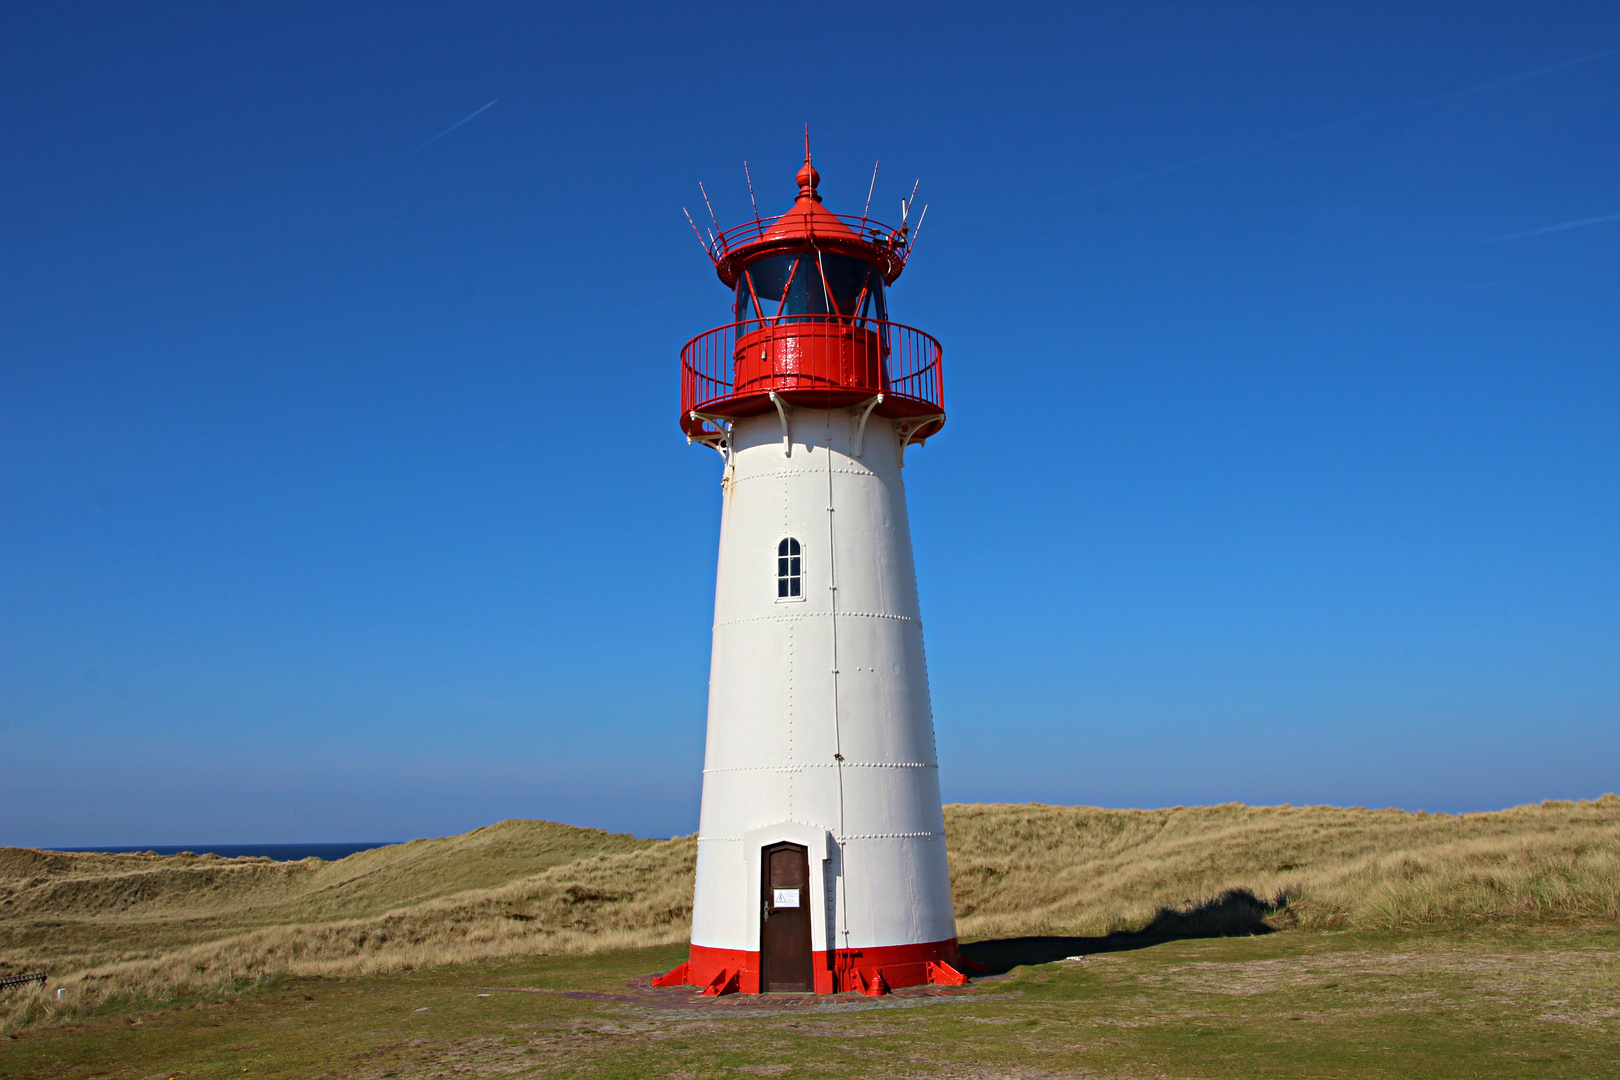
[278,852]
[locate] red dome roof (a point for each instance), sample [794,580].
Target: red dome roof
[809,219]
[808,223]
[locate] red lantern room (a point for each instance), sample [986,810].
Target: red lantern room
[810,325]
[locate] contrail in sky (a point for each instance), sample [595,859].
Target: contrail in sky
[445,132]
[1466,288]
[1506,80]
[1552,228]
[1361,118]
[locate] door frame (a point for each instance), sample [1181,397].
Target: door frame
[819,850]
[795,851]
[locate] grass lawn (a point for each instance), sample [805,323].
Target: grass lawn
[1499,1004]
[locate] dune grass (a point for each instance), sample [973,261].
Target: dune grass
[1019,870]
[1509,1003]
[131,928]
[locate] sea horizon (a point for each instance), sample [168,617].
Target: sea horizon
[329,852]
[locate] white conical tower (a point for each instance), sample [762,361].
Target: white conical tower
[821,849]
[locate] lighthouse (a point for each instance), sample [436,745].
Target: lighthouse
[821,860]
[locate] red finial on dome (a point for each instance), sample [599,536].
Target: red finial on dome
[808,178]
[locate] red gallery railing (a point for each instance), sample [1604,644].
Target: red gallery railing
[751,232]
[812,361]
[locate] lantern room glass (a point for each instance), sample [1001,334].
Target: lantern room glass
[809,286]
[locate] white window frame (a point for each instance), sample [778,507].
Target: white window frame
[779,577]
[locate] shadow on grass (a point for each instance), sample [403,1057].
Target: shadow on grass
[1235,913]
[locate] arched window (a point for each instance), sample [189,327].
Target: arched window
[789,570]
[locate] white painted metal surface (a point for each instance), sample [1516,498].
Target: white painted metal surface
[820,730]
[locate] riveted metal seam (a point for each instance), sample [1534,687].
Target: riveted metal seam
[790,616]
[818,765]
[862,836]
[795,473]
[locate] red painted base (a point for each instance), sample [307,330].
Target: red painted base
[870,971]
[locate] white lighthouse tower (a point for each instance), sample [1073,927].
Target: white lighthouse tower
[821,849]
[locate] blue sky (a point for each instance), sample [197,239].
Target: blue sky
[343,496]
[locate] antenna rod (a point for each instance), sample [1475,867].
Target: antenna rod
[711,208]
[869,189]
[751,200]
[697,234]
[918,231]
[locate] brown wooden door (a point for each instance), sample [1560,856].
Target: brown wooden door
[784,931]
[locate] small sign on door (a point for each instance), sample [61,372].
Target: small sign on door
[786,898]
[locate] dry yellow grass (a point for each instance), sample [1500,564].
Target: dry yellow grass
[153,926]
[1020,870]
